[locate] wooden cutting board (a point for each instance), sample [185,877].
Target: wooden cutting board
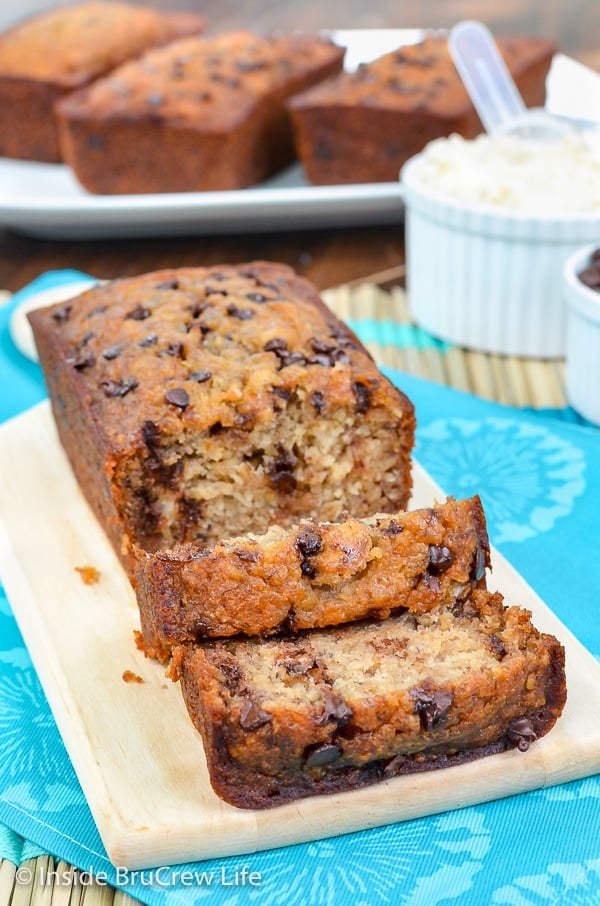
[139,760]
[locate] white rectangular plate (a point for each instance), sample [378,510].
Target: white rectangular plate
[127,738]
[45,200]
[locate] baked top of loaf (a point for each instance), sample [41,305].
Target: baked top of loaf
[70,45]
[194,348]
[330,710]
[416,78]
[313,574]
[208,83]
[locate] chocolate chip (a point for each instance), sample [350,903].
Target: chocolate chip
[497,647]
[309,543]
[321,754]
[196,308]
[336,709]
[441,558]
[478,566]
[363,397]
[320,345]
[521,733]
[257,297]
[151,434]
[175,349]
[252,716]
[432,707]
[176,396]
[168,284]
[81,362]
[319,359]
[280,471]
[190,512]
[246,555]
[392,528]
[277,345]
[62,314]
[232,675]
[307,569]
[243,314]
[317,401]
[150,340]
[215,291]
[155,99]
[113,352]
[119,388]
[139,313]
[86,339]
[251,65]
[200,376]
[293,358]
[282,393]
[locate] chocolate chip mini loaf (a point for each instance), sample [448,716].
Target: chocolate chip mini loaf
[45,58]
[361,127]
[202,114]
[313,574]
[200,403]
[336,709]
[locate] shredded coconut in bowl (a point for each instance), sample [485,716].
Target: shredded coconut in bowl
[509,172]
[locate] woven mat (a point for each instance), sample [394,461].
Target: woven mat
[531,383]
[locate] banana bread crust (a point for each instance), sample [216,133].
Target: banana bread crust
[201,114]
[333,710]
[50,55]
[362,127]
[312,575]
[200,403]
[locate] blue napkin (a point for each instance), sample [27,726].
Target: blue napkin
[539,478]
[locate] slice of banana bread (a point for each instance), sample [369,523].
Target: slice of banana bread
[44,58]
[313,574]
[335,709]
[200,403]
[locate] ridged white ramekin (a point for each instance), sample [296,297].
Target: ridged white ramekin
[486,278]
[583,337]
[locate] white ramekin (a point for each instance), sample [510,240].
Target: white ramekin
[583,337]
[485,278]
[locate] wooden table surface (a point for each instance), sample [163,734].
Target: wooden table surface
[328,257]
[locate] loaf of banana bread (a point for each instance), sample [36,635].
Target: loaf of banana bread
[312,574]
[201,114]
[44,58]
[361,127]
[335,709]
[201,403]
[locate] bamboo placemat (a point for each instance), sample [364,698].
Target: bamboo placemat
[534,383]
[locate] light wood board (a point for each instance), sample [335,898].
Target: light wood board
[138,758]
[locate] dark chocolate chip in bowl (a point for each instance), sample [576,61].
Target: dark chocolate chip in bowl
[200,376]
[139,313]
[320,755]
[521,733]
[119,388]
[176,396]
[113,352]
[441,558]
[252,716]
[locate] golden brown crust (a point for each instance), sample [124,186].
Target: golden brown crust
[313,575]
[44,58]
[200,403]
[336,709]
[201,114]
[363,126]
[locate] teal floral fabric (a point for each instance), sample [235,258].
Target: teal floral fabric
[539,478]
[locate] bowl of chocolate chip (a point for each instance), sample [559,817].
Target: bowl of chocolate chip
[582,296]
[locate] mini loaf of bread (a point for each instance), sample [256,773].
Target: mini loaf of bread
[313,574]
[336,709]
[44,58]
[200,403]
[201,114]
[361,127]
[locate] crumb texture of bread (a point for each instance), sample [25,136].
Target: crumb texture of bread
[202,403]
[200,114]
[313,574]
[336,709]
[363,126]
[45,57]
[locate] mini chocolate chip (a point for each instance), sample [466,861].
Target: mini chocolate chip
[392,528]
[242,314]
[335,708]
[150,340]
[257,297]
[497,646]
[363,397]
[246,555]
[62,314]
[81,362]
[176,396]
[282,393]
[521,733]
[320,345]
[309,543]
[215,291]
[277,345]
[431,707]
[175,349]
[322,754]
[151,434]
[441,558]
[200,376]
[317,401]
[252,716]
[293,358]
[139,313]
[113,352]
[119,388]
[338,355]
[86,339]
[168,284]
[478,566]
[319,359]
[196,308]
[307,569]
